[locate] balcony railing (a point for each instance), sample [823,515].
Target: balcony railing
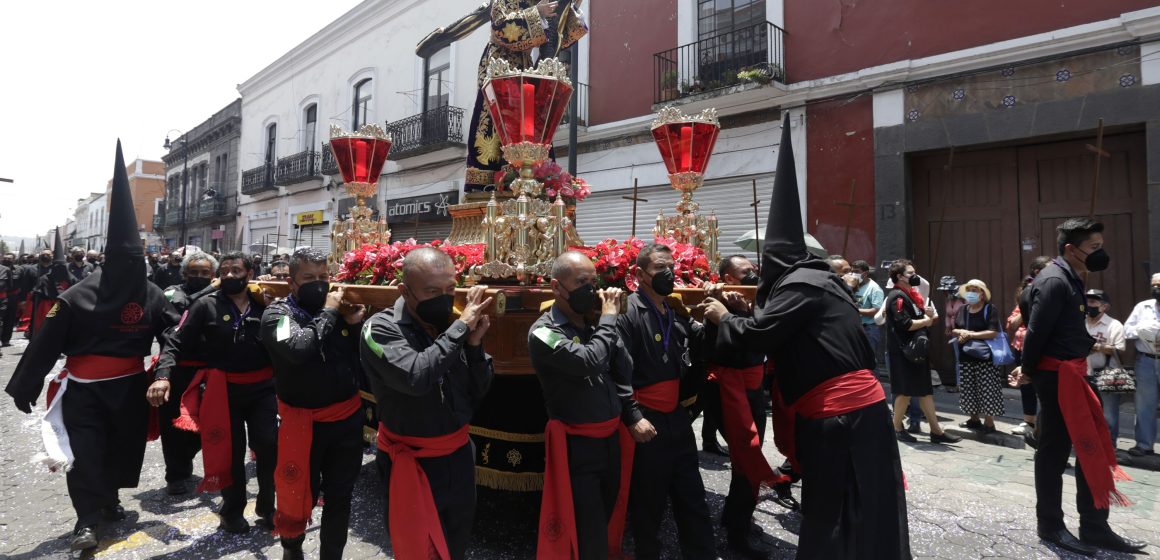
[581,93]
[258,179]
[210,207]
[329,164]
[432,130]
[159,221]
[714,62]
[297,168]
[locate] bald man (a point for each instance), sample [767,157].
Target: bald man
[584,372]
[429,373]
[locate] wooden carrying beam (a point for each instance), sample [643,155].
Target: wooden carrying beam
[382,297]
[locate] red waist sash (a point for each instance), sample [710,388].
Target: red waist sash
[661,397]
[838,395]
[1084,418]
[292,478]
[191,363]
[209,414]
[416,531]
[557,535]
[92,367]
[740,427]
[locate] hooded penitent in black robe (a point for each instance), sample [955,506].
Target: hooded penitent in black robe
[806,322]
[114,312]
[49,286]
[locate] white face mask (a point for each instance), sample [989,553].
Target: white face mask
[972,297]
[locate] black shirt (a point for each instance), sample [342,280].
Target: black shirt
[78,272]
[642,330]
[1056,325]
[423,387]
[580,369]
[315,357]
[166,276]
[809,333]
[214,330]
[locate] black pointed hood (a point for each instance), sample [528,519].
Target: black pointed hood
[58,250]
[122,237]
[20,255]
[785,242]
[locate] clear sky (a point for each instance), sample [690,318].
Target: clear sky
[77,74]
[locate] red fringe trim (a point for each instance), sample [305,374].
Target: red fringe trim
[1119,474]
[185,423]
[1120,499]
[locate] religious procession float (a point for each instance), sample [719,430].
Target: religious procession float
[508,238]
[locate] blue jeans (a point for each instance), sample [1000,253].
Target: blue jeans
[1147,387]
[1111,405]
[874,334]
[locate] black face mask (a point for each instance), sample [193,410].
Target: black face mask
[1097,260]
[45,260]
[436,311]
[750,279]
[195,284]
[233,286]
[915,281]
[1155,292]
[583,299]
[662,282]
[6,262]
[79,259]
[1093,312]
[312,295]
[92,260]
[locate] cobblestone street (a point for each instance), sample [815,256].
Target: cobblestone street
[970,500]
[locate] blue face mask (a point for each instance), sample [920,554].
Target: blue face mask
[972,297]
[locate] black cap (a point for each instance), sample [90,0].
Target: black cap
[1097,294]
[785,242]
[122,236]
[58,250]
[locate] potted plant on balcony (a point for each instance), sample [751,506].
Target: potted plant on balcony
[669,84]
[763,73]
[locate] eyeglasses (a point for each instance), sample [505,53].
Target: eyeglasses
[281,276]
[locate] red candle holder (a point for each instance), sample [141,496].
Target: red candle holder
[361,156]
[526,107]
[686,144]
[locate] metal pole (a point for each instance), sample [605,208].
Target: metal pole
[573,105]
[184,186]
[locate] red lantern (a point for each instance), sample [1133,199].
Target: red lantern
[686,143]
[526,105]
[360,155]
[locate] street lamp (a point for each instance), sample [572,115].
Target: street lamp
[184,177]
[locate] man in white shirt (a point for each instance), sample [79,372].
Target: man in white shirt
[1109,335]
[1143,327]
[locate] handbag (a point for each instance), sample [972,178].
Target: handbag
[1115,380]
[976,349]
[1001,354]
[916,348]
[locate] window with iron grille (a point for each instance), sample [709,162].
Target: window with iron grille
[437,85]
[362,103]
[310,117]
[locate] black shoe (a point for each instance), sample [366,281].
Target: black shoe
[292,552]
[1139,452]
[1065,540]
[784,497]
[1108,540]
[83,539]
[113,513]
[905,437]
[715,449]
[988,429]
[177,488]
[265,522]
[743,548]
[236,525]
[971,425]
[944,438]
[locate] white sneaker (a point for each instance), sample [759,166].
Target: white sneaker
[1022,428]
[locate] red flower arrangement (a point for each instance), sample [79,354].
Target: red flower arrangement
[381,263]
[555,180]
[615,262]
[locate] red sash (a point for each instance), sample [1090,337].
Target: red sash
[92,367]
[557,512]
[292,479]
[740,428]
[43,306]
[26,315]
[661,397]
[838,395]
[209,414]
[1084,418]
[416,531]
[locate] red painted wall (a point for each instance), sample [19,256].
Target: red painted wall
[624,36]
[840,147]
[828,38]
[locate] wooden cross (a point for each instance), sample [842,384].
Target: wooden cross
[635,199]
[850,205]
[943,212]
[1100,154]
[756,225]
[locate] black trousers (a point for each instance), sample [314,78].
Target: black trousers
[1051,460]
[740,502]
[253,411]
[709,400]
[106,423]
[853,502]
[6,320]
[452,479]
[594,466]
[664,469]
[178,446]
[335,463]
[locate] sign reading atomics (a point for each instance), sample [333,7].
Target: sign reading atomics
[424,208]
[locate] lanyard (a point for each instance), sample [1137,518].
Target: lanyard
[666,321]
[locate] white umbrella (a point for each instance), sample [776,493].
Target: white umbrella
[753,240]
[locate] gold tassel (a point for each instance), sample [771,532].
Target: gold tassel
[509,481]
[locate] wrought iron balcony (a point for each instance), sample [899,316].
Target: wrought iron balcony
[581,93]
[715,62]
[159,220]
[329,164]
[432,130]
[258,179]
[173,216]
[210,207]
[297,168]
